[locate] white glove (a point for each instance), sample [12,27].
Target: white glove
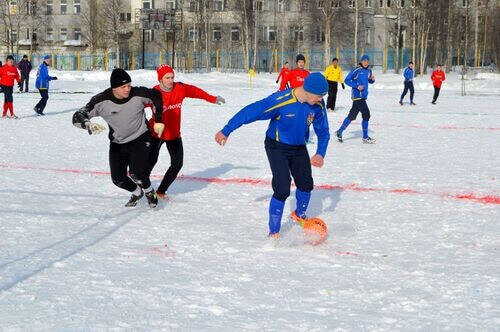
[94,128]
[220,100]
[158,128]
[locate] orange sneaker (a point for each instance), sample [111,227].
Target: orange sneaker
[162,196]
[274,236]
[301,221]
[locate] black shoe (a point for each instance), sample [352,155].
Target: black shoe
[152,198]
[339,136]
[401,102]
[368,140]
[433,103]
[412,103]
[134,199]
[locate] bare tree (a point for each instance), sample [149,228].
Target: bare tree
[91,24]
[111,24]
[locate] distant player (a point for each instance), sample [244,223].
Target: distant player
[358,79]
[297,75]
[291,113]
[42,84]
[437,78]
[8,74]
[122,107]
[173,94]
[408,74]
[283,75]
[333,74]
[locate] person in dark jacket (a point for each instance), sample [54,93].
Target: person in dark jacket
[24,67]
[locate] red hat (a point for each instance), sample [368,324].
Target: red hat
[162,70]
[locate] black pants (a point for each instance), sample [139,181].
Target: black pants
[7,93]
[176,151]
[359,106]
[43,102]
[436,93]
[332,94]
[25,79]
[133,157]
[408,86]
[287,159]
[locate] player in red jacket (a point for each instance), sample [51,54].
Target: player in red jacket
[297,75]
[284,77]
[437,78]
[173,94]
[8,73]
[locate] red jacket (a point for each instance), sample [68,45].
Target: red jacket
[284,78]
[8,74]
[296,77]
[437,78]
[172,102]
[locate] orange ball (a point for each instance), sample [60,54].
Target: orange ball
[315,231]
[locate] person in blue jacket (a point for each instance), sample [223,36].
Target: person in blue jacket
[408,75]
[42,84]
[291,112]
[358,79]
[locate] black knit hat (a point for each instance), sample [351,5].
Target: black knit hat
[300,57]
[119,77]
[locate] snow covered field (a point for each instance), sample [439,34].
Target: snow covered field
[414,219]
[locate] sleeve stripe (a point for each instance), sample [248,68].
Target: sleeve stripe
[286,102]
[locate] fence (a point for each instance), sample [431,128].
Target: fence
[267,60]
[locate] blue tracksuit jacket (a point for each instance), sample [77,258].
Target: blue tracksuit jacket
[356,77]
[290,119]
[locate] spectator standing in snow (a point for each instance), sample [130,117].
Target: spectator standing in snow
[25,68]
[333,74]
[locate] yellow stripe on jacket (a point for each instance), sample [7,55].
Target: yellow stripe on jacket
[334,74]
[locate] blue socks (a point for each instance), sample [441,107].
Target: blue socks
[344,125]
[302,202]
[275,213]
[364,125]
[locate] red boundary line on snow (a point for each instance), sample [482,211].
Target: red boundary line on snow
[484,199]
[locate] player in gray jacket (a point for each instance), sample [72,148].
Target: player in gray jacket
[122,107]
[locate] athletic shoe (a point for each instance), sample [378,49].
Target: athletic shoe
[413,104]
[299,220]
[339,136]
[152,198]
[400,103]
[134,199]
[368,140]
[433,103]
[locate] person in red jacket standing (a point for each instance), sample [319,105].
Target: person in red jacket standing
[297,75]
[8,73]
[284,77]
[437,78]
[173,94]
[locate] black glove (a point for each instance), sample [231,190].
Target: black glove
[54,78]
[343,86]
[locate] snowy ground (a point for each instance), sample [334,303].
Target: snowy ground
[414,220]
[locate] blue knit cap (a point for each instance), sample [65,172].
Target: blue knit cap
[316,84]
[47,57]
[365,57]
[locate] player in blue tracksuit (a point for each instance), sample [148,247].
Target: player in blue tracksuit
[291,113]
[408,75]
[42,84]
[358,79]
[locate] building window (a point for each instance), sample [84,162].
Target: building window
[216,33]
[146,4]
[269,34]
[49,7]
[13,35]
[368,36]
[283,6]
[320,34]
[297,33]
[125,17]
[78,34]
[351,3]
[149,35]
[63,34]
[64,7]
[170,5]
[193,6]
[382,3]
[235,34]
[50,34]
[320,4]
[257,5]
[193,34]
[368,3]
[465,3]
[76,7]
[218,5]
[388,3]
[336,4]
